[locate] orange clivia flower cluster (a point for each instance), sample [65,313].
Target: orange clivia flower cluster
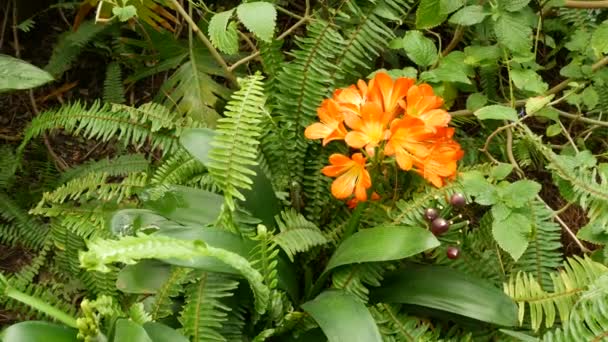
[398,117]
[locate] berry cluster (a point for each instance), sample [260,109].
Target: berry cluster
[439,225]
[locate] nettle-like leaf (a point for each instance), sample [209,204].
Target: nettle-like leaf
[223,32]
[599,40]
[513,5]
[429,14]
[469,15]
[513,31]
[258,17]
[528,80]
[420,49]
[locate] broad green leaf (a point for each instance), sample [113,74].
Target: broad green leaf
[475,184]
[535,104]
[469,15]
[513,5]
[33,331]
[518,194]
[145,277]
[549,113]
[446,289]
[599,39]
[161,333]
[519,335]
[258,17]
[124,13]
[132,221]
[513,32]
[590,97]
[127,330]
[476,101]
[501,171]
[529,80]
[496,112]
[198,142]
[449,6]
[451,69]
[382,244]
[187,205]
[579,40]
[475,54]
[429,14]
[18,74]
[553,130]
[223,33]
[343,317]
[420,49]
[511,234]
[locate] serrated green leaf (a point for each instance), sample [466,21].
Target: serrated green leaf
[496,112]
[511,234]
[528,80]
[501,171]
[449,6]
[513,5]
[124,13]
[590,97]
[258,17]
[599,39]
[513,32]
[448,290]
[343,317]
[224,35]
[475,184]
[17,74]
[469,15]
[420,49]
[549,113]
[429,14]
[553,130]
[382,244]
[451,69]
[476,101]
[518,194]
[475,54]
[534,104]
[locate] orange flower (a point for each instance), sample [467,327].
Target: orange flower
[352,203]
[369,129]
[351,174]
[389,93]
[422,103]
[331,126]
[410,140]
[441,162]
[352,98]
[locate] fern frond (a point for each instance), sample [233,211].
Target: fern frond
[178,169]
[297,234]
[234,324]
[235,144]
[315,184]
[543,253]
[263,256]
[303,83]
[9,163]
[356,278]
[105,122]
[113,91]
[23,230]
[99,283]
[395,326]
[118,166]
[589,322]
[27,273]
[204,313]
[70,45]
[87,220]
[161,305]
[95,186]
[568,286]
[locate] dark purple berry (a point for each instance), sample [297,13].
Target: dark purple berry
[439,226]
[458,200]
[453,252]
[431,214]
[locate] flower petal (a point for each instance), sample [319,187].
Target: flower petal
[356,139]
[343,186]
[317,131]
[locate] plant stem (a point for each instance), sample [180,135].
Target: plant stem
[201,36]
[586,4]
[455,40]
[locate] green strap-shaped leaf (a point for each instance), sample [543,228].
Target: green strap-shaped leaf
[258,17]
[130,249]
[161,333]
[38,331]
[18,74]
[382,244]
[127,330]
[343,317]
[446,289]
